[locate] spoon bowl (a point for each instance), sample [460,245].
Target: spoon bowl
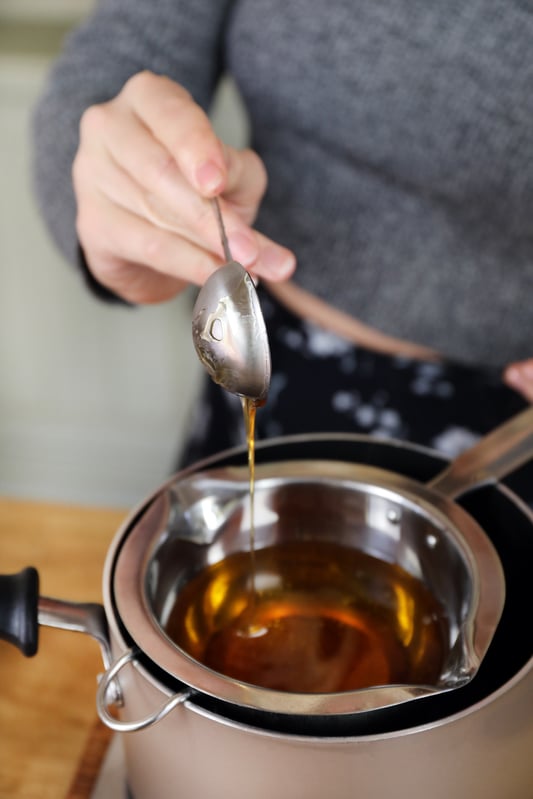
[229,332]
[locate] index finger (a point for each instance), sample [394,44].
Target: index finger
[182,127]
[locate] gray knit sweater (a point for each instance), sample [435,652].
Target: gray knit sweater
[398,137]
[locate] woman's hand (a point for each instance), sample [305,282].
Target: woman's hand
[519,376]
[147,164]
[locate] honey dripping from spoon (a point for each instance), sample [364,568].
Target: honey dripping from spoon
[249,407]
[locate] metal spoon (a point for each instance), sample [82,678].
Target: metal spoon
[229,331]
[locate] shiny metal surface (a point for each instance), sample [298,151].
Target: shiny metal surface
[82,617]
[201,518]
[228,329]
[495,456]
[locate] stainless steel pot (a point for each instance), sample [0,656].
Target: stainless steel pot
[474,741]
[204,518]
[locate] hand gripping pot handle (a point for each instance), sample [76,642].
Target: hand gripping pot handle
[105,691]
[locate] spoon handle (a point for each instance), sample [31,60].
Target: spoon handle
[222,230]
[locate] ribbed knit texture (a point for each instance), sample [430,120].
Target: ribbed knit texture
[398,138]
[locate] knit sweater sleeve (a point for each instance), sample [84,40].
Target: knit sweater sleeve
[182,39]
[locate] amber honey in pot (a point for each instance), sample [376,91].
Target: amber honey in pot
[319,618]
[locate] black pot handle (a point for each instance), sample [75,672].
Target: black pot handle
[19,600]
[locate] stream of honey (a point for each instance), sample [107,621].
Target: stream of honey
[249,407]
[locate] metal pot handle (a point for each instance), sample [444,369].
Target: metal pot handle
[107,690]
[494,456]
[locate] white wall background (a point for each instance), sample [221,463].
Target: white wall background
[94,400]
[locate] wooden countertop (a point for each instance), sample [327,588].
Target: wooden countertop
[47,703]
